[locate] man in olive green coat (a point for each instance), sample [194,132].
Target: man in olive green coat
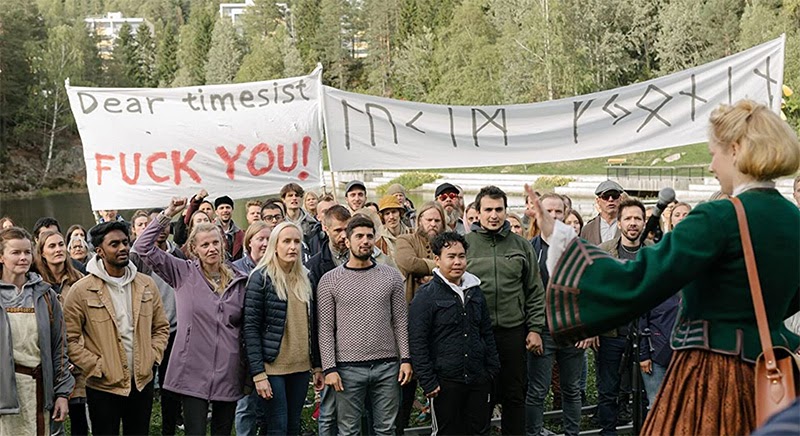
[510,280]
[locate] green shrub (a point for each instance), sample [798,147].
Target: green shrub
[409,181]
[548,183]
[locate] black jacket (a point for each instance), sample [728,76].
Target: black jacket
[316,239]
[318,265]
[264,323]
[451,340]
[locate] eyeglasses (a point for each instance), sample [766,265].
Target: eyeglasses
[610,195]
[277,217]
[446,195]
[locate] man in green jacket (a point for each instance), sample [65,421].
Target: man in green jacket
[510,280]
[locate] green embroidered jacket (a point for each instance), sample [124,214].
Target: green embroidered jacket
[591,292]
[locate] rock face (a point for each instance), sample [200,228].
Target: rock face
[23,172]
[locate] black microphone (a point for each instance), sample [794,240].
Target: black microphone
[665,197]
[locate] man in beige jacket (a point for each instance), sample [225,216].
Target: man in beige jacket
[116,332]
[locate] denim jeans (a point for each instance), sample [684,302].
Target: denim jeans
[286,405]
[540,369]
[326,423]
[380,381]
[609,358]
[653,381]
[250,414]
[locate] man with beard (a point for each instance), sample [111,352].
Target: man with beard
[363,334]
[449,198]
[507,267]
[413,253]
[612,344]
[117,332]
[334,253]
[234,236]
[603,227]
[415,260]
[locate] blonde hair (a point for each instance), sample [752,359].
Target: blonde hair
[226,275]
[677,205]
[768,147]
[251,231]
[296,280]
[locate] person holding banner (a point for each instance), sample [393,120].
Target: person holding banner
[206,366]
[708,388]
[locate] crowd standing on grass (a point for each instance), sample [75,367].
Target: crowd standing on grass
[387,310]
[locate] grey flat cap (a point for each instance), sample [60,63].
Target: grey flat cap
[608,185]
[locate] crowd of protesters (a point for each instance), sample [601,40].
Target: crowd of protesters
[368,302]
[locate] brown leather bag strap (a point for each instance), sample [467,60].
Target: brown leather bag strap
[755,287]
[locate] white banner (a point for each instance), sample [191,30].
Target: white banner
[365,132]
[144,146]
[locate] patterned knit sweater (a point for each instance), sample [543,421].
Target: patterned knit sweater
[363,316]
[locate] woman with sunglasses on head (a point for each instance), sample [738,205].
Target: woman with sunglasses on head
[709,384]
[206,366]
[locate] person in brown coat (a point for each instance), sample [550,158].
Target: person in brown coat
[414,259]
[413,254]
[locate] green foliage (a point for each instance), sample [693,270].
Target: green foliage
[166,62]
[225,54]
[193,46]
[126,59]
[145,58]
[409,181]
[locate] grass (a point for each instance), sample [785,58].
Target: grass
[309,425]
[695,154]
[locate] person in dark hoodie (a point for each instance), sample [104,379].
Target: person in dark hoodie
[35,380]
[655,353]
[459,386]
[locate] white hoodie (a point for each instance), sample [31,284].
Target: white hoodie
[119,289]
[468,280]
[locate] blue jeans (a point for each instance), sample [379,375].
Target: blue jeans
[653,381]
[249,414]
[540,371]
[286,405]
[609,359]
[380,381]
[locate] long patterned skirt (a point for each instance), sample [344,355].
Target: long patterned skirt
[704,393]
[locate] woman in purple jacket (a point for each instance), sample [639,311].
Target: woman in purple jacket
[206,365]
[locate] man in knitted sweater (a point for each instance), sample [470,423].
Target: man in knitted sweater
[363,334]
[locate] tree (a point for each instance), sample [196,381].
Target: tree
[329,42]
[145,58]
[225,54]
[193,46]
[415,72]
[465,57]
[382,34]
[65,54]
[306,21]
[124,66]
[166,62]
[264,62]
[21,32]
[260,20]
